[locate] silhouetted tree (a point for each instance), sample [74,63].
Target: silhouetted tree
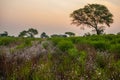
[62,35]
[23,34]
[4,34]
[44,35]
[56,35]
[118,33]
[94,16]
[71,34]
[30,33]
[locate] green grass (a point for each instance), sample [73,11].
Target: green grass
[71,60]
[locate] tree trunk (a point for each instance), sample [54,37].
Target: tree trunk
[97,30]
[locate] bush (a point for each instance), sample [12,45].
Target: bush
[115,48]
[65,45]
[25,43]
[56,40]
[82,57]
[7,40]
[101,45]
[45,44]
[101,61]
[73,52]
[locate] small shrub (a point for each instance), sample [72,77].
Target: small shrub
[73,52]
[6,40]
[118,65]
[56,40]
[115,48]
[82,57]
[26,43]
[45,45]
[65,45]
[101,61]
[101,45]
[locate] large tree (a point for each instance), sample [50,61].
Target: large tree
[32,32]
[29,33]
[95,16]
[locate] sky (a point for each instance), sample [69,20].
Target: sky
[50,16]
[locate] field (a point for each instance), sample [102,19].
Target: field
[95,57]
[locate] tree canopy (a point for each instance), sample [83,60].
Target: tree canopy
[29,33]
[70,34]
[4,34]
[32,32]
[44,35]
[94,16]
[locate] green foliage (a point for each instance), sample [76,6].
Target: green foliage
[82,58]
[101,62]
[7,40]
[26,43]
[56,40]
[60,36]
[101,45]
[29,33]
[5,34]
[23,34]
[93,15]
[64,45]
[44,35]
[45,44]
[96,58]
[115,48]
[73,52]
[70,34]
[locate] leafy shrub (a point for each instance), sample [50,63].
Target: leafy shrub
[82,57]
[75,39]
[65,45]
[109,37]
[101,45]
[73,52]
[95,38]
[115,48]
[6,40]
[118,40]
[45,45]
[101,61]
[25,43]
[56,40]
[82,61]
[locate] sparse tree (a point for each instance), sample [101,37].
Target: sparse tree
[71,34]
[23,33]
[30,33]
[4,34]
[44,35]
[94,16]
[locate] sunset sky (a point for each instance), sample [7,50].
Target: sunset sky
[50,16]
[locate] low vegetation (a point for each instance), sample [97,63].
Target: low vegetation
[72,58]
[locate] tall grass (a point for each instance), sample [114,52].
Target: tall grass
[74,58]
